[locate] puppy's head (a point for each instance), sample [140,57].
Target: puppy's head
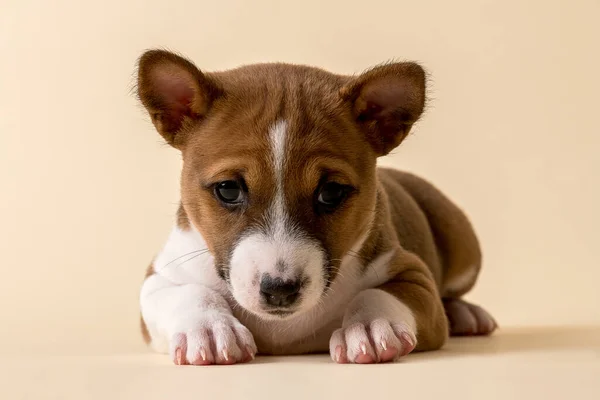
[279,165]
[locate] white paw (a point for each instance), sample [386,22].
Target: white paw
[377,327]
[211,337]
[376,341]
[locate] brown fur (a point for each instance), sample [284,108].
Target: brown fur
[337,127]
[435,243]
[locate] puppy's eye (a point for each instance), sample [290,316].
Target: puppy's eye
[229,192]
[331,195]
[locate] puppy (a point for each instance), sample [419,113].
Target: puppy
[289,239]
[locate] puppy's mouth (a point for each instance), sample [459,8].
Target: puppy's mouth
[267,312]
[281,313]
[276,308]
[286,304]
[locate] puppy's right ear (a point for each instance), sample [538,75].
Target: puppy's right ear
[174,92]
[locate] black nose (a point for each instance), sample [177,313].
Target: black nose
[278,292]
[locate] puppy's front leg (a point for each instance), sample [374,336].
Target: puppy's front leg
[390,321]
[193,323]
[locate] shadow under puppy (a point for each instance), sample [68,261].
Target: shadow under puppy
[289,239]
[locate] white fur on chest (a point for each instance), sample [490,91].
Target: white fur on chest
[185,260]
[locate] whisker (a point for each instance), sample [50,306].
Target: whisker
[189,259]
[357,255]
[201,251]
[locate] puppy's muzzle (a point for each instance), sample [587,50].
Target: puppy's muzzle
[279,293]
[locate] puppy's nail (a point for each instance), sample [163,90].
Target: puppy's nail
[250,352]
[225,355]
[338,354]
[363,348]
[202,354]
[407,337]
[178,357]
[383,345]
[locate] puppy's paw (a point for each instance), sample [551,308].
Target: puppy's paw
[376,341]
[377,327]
[211,337]
[466,319]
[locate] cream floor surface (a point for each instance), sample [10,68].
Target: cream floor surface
[535,363]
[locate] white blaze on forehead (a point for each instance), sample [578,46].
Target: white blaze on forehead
[278,218]
[278,138]
[280,249]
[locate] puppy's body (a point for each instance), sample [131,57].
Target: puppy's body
[431,226]
[289,239]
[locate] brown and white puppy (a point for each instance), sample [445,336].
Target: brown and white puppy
[289,239]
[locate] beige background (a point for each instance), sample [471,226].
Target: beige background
[88,190]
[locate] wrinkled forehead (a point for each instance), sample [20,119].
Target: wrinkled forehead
[279,118]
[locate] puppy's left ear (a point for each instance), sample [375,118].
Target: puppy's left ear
[386,101]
